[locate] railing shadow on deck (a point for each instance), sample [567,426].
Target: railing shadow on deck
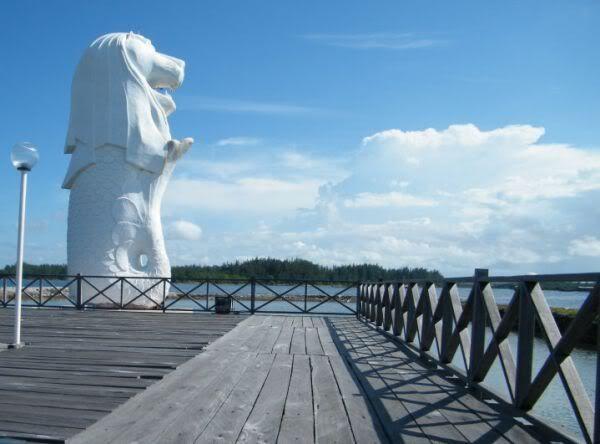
[439,328]
[252,295]
[376,363]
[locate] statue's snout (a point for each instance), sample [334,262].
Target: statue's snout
[167,72]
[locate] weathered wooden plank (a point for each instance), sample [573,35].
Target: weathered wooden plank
[75,389]
[363,419]
[283,342]
[263,423]
[270,339]
[228,421]
[313,343]
[38,432]
[318,321]
[12,398]
[326,340]
[23,367]
[35,377]
[331,421]
[298,345]
[48,417]
[297,424]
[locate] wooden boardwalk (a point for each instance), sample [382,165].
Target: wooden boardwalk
[304,380]
[81,365]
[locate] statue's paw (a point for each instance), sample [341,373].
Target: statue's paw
[185,145]
[176,149]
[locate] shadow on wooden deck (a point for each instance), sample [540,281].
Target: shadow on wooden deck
[417,402]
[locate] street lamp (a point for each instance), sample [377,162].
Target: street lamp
[23,156]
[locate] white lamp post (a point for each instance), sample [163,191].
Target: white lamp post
[24,156]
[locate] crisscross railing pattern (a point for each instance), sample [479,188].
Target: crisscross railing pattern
[134,292]
[445,328]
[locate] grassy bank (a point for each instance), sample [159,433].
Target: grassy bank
[563,318]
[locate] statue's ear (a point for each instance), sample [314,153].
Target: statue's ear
[147,131]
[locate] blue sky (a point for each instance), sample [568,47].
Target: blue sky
[311,124]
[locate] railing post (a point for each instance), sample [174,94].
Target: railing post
[252,294]
[426,319]
[447,318]
[477,324]
[398,319]
[373,302]
[4,291]
[379,307]
[597,400]
[40,295]
[121,297]
[413,294]
[525,343]
[164,299]
[305,295]
[207,291]
[358,296]
[78,296]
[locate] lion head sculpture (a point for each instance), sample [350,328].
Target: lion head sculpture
[118,98]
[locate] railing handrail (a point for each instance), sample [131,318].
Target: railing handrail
[559,277]
[195,279]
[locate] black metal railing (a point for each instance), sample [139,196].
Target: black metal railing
[466,336]
[253,295]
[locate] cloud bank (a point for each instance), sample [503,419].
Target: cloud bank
[453,199]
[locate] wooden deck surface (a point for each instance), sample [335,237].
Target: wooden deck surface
[81,365]
[304,380]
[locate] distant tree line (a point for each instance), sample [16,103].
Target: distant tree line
[270,268]
[49,269]
[267,268]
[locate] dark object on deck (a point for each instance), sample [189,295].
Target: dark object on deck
[222,304]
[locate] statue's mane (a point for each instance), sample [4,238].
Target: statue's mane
[112,103]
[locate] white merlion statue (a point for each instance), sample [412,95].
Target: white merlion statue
[122,156]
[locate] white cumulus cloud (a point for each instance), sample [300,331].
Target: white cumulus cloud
[183,230]
[585,246]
